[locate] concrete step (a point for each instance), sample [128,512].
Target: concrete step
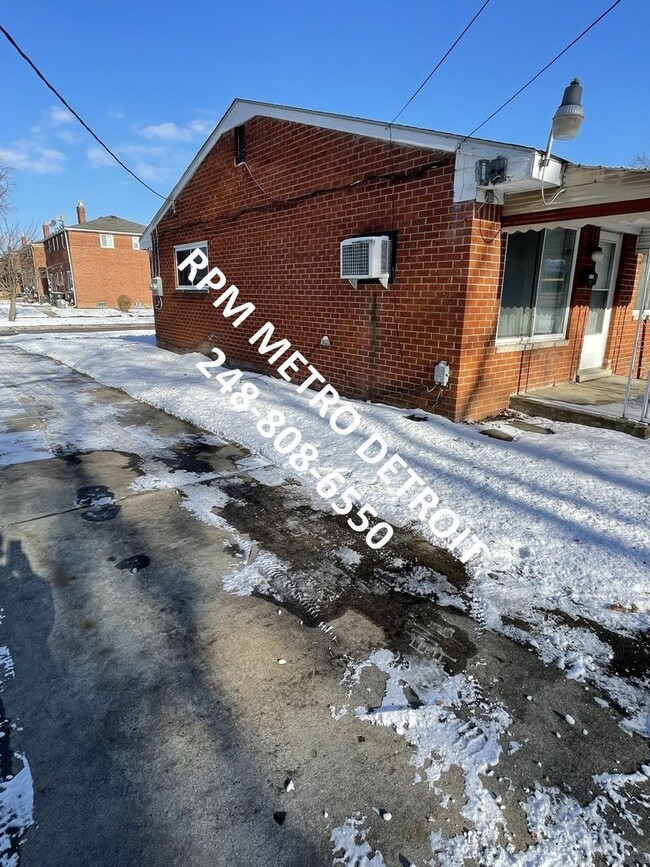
[593,373]
[537,406]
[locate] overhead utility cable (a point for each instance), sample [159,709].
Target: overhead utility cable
[440,62]
[541,71]
[61,99]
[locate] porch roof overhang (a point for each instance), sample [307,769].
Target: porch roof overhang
[627,220]
[616,199]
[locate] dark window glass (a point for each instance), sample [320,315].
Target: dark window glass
[518,292]
[553,285]
[182,277]
[536,283]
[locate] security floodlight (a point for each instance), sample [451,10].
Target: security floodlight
[568,118]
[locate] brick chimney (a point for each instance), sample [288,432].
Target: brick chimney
[81,212]
[46,230]
[23,241]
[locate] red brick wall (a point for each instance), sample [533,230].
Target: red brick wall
[280,246]
[487,377]
[103,274]
[623,325]
[57,261]
[283,254]
[32,258]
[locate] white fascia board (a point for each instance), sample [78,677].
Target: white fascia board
[242,110]
[523,172]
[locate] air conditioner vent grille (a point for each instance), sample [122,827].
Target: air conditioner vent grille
[366,258]
[355,259]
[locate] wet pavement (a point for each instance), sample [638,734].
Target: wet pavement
[185,631]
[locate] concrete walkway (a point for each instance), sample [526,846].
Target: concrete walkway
[150,701]
[596,403]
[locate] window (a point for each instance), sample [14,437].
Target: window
[106,241]
[183,277]
[641,286]
[240,145]
[101,304]
[135,243]
[536,284]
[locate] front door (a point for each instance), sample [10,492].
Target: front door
[594,342]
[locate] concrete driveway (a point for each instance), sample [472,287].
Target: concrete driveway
[170,716]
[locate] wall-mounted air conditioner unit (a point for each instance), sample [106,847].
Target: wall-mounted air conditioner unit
[366,259]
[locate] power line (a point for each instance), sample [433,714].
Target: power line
[440,62]
[541,71]
[61,99]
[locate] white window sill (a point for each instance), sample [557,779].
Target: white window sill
[646,314]
[531,343]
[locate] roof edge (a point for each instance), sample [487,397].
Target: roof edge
[241,110]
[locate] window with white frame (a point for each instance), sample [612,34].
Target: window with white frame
[135,243]
[641,290]
[107,241]
[183,276]
[536,285]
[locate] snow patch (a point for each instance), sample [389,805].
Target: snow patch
[349,846]
[16,813]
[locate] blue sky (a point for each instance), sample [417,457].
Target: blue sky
[152,79]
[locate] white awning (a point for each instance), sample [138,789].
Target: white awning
[631,224]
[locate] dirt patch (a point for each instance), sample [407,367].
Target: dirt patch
[327,569]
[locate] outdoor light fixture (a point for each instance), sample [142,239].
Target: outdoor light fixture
[568,118]
[597,255]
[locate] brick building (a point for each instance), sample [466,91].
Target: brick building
[32,267]
[493,271]
[97,263]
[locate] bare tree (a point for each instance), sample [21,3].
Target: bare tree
[5,184]
[641,161]
[11,242]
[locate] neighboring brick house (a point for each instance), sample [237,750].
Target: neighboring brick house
[274,191]
[32,267]
[97,263]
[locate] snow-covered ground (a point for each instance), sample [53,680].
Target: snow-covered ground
[566,519]
[32,316]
